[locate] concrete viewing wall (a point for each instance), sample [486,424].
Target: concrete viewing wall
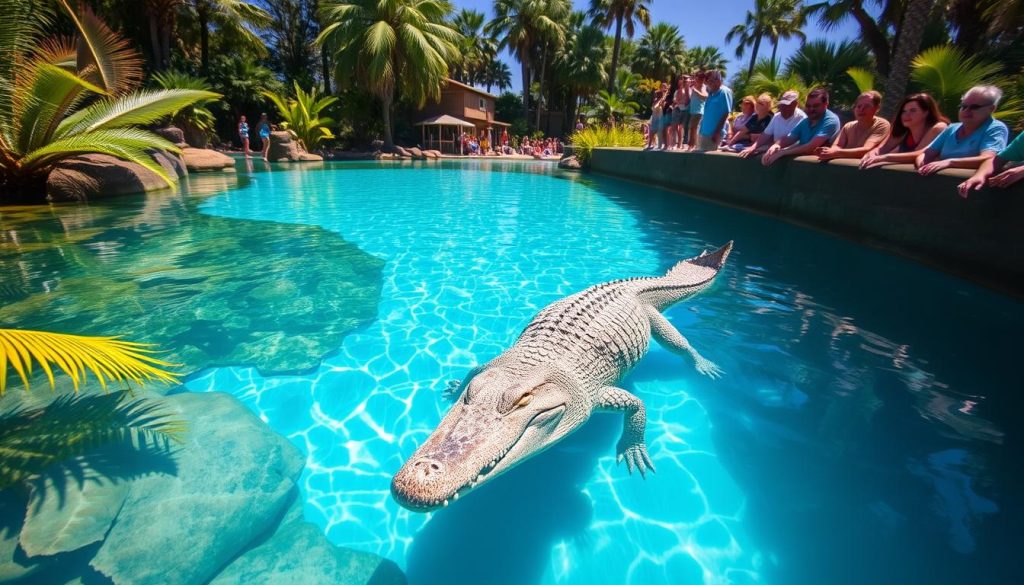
[892,208]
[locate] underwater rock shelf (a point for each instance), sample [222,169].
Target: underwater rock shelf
[891,208]
[222,508]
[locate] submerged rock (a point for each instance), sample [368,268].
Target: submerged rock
[298,553]
[570,163]
[233,479]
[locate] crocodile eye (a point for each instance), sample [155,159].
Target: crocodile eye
[524,400]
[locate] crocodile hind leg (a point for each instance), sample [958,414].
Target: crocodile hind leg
[673,340]
[631,445]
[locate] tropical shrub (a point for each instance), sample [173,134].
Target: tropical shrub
[61,98]
[301,115]
[585,141]
[195,119]
[947,73]
[610,106]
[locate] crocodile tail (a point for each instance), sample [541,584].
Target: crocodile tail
[714,260]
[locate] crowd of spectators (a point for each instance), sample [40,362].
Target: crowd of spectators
[537,147]
[698,116]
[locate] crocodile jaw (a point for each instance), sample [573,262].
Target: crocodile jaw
[432,477]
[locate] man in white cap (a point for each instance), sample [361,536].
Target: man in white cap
[781,125]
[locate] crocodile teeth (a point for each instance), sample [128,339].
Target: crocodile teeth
[455,496]
[479,478]
[445,504]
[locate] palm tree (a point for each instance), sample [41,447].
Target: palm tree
[661,52]
[774,19]
[706,58]
[947,73]
[391,45]
[42,118]
[477,49]
[195,120]
[608,106]
[581,64]
[907,45]
[821,63]
[162,15]
[831,13]
[769,77]
[620,14]
[522,25]
[496,74]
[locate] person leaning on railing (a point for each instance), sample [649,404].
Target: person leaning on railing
[780,125]
[986,174]
[975,138]
[919,122]
[861,136]
[819,129]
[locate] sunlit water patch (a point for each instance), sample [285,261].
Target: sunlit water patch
[856,438]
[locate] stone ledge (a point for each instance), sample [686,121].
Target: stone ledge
[892,208]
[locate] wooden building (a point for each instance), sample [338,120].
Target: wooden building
[472,110]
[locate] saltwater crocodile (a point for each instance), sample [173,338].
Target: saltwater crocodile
[563,368]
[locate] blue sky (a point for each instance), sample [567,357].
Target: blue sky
[700,23]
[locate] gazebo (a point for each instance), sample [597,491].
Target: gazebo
[441,122]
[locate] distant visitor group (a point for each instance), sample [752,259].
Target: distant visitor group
[697,116]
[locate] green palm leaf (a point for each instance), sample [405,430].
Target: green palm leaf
[108,358]
[53,92]
[946,73]
[130,144]
[33,439]
[116,67]
[141,107]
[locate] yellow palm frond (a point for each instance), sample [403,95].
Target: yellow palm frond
[108,358]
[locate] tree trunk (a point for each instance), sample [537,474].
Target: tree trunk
[775,49]
[526,85]
[911,32]
[386,101]
[325,65]
[874,37]
[615,54]
[204,36]
[154,37]
[165,44]
[753,55]
[540,85]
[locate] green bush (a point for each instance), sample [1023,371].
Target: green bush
[585,141]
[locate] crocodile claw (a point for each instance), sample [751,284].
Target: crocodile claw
[451,391]
[636,458]
[709,368]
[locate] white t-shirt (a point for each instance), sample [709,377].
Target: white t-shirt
[780,127]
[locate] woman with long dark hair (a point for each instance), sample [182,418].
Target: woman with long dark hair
[918,123]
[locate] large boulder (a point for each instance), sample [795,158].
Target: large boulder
[298,553]
[285,148]
[432,153]
[88,176]
[416,153]
[402,152]
[233,480]
[173,134]
[204,159]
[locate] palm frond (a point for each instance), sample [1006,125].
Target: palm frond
[53,92]
[117,66]
[108,358]
[864,79]
[33,439]
[141,107]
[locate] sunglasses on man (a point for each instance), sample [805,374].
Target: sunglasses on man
[973,107]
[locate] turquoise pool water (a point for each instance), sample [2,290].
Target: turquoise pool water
[866,430]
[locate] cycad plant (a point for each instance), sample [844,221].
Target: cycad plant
[585,141]
[301,115]
[196,120]
[608,106]
[63,98]
[947,73]
[33,437]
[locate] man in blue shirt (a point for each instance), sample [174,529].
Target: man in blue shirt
[716,109]
[819,128]
[976,138]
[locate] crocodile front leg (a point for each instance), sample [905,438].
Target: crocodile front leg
[673,340]
[631,445]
